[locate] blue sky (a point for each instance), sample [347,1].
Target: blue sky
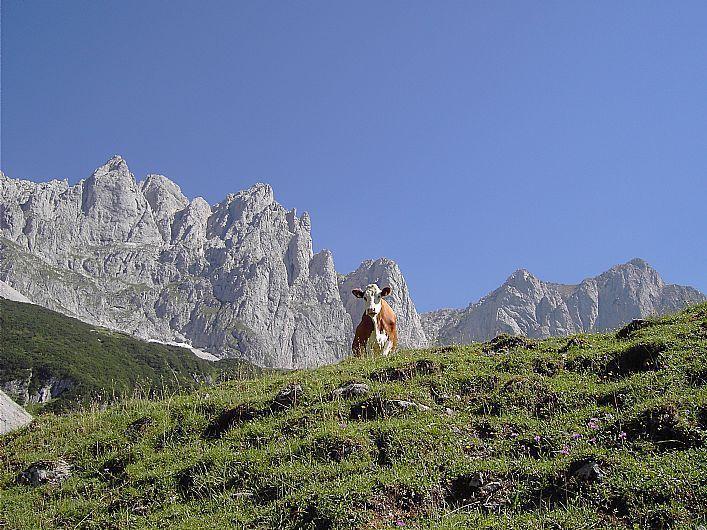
[463,139]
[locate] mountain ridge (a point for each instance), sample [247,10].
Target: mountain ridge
[526,305]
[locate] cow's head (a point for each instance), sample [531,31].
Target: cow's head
[373,296]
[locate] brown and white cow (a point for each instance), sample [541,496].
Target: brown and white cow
[377,332]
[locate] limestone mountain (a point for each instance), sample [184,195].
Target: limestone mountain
[526,305]
[236,279]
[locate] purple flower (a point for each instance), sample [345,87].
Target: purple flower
[576,436]
[565,450]
[622,435]
[537,438]
[592,440]
[399,523]
[593,423]
[514,435]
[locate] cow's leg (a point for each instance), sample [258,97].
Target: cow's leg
[387,348]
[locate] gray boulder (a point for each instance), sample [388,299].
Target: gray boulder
[12,416]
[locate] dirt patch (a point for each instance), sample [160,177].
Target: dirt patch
[114,469]
[644,357]
[629,329]
[574,342]
[505,343]
[198,481]
[139,427]
[666,427]
[548,366]
[228,419]
[482,490]
[377,407]
[334,448]
[387,449]
[405,372]
[309,517]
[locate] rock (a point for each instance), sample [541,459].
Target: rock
[12,416]
[350,390]
[228,419]
[406,371]
[46,472]
[287,397]
[525,305]
[385,272]
[587,470]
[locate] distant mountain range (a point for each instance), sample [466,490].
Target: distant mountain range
[525,305]
[239,278]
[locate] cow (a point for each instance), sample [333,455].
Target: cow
[377,332]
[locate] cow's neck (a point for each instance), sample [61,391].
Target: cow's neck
[378,329]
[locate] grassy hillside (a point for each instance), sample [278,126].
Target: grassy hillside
[594,431]
[40,344]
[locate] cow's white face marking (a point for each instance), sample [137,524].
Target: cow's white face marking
[373,296]
[374,300]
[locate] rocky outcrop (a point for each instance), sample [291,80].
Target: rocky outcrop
[525,305]
[37,388]
[12,416]
[237,279]
[384,272]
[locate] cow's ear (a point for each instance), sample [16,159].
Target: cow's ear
[385,291]
[358,293]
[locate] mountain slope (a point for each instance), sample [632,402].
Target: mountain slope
[525,305]
[592,432]
[48,358]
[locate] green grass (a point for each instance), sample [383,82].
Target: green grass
[508,425]
[101,364]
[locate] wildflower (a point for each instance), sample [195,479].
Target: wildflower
[514,435]
[592,440]
[576,436]
[399,523]
[537,438]
[565,450]
[622,435]
[593,423]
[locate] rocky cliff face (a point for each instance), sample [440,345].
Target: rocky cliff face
[525,305]
[384,272]
[238,279]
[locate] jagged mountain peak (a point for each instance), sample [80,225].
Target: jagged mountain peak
[116,166]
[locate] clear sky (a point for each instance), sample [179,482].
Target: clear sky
[462,139]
